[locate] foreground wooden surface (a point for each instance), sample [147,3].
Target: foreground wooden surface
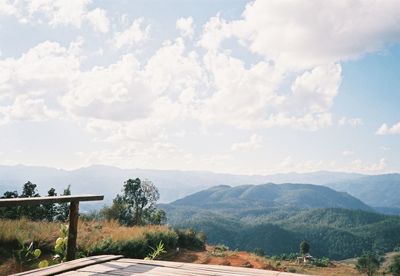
[117,265]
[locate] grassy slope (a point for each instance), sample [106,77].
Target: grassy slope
[91,239]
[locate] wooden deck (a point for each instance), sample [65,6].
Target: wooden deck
[117,265]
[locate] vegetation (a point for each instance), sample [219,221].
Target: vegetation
[136,204]
[94,238]
[48,212]
[369,263]
[394,267]
[304,248]
[333,232]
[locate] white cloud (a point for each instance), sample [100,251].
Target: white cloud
[315,90]
[57,13]
[185,26]
[350,121]
[98,19]
[347,153]
[25,108]
[7,8]
[253,143]
[135,34]
[386,130]
[30,85]
[117,92]
[360,166]
[314,33]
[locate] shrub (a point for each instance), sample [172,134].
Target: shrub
[394,267]
[324,262]
[368,263]
[189,239]
[259,252]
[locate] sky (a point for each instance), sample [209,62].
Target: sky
[249,87]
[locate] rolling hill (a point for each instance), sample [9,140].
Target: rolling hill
[271,196]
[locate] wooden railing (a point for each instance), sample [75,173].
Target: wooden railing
[73,212]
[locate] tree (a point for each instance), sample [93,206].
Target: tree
[304,248]
[394,267]
[50,209]
[33,212]
[136,204]
[9,212]
[368,263]
[156,216]
[62,210]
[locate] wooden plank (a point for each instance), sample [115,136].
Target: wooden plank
[69,266]
[204,269]
[6,202]
[72,230]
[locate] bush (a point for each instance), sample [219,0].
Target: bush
[259,252]
[369,263]
[394,267]
[324,262]
[136,248]
[189,239]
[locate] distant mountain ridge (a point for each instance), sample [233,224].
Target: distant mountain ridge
[375,190]
[272,196]
[108,180]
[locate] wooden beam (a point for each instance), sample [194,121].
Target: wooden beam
[68,266]
[72,230]
[6,202]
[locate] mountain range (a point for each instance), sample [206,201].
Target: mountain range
[277,217]
[380,191]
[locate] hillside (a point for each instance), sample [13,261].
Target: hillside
[375,190]
[277,218]
[271,196]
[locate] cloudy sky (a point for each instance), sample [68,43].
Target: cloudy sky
[227,86]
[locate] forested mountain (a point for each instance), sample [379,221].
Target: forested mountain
[271,196]
[277,218]
[375,190]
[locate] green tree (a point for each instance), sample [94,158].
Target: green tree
[50,209]
[304,247]
[136,204]
[33,212]
[9,212]
[156,216]
[394,267]
[62,210]
[368,263]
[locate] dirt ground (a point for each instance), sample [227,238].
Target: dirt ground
[245,259]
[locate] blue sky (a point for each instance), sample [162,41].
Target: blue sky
[252,87]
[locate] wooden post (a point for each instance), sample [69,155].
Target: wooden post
[72,230]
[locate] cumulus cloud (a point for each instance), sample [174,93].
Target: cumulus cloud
[384,129]
[57,13]
[185,26]
[31,84]
[135,34]
[312,33]
[315,90]
[99,20]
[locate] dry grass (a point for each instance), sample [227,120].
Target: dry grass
[89,232]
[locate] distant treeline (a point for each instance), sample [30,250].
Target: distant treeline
[49,211]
